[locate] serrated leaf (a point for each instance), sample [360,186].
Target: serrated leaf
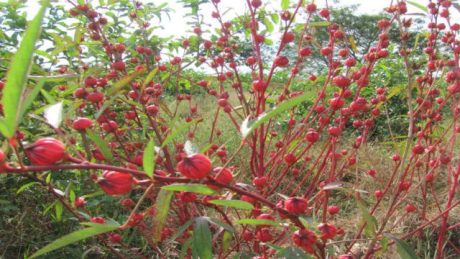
[233,204]
[148,160]
[162,204]
[101,144]
[256,222]
[17,74]
[53,114]
[75,237]
[190,187]
[202,239]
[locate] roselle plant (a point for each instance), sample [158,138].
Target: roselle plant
[270,168]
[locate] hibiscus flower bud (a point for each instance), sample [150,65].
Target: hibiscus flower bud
[296,205]
[196,166]
[45,151]
[115,183]
[81,124]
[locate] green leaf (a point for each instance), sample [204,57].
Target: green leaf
[319,24]
[17,74]
[149,158]
[185,247]
[256,222]
[181,230]
[29,99]
[25,187]
[268,24]
[418,5]
[219,223]
[101,144]
[248,126]
[149,77]
[58,210]
[292,253]
[50,99]
[226,238]
[404,250]
[284,4]
[369,220]
[202,239]
[162,208]
[233,204]
[190,187]
[178,132]
[76,236]
[116,88]
[275,18]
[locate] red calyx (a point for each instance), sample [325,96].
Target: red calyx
[196,166]
[81,124]
[304,238]
[281,61]
[115,183]
[45,151]
[296,205]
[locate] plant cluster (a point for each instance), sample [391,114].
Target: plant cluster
[298,176]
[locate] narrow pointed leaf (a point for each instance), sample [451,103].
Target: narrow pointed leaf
[149,158]
[191,187]
[17,74]
[162,208]
[101,144]
[202,239]
[233,204]
[75,237]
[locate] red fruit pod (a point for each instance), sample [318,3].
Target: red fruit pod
[45,151]
[281,61]
[115,183]
[81,124]
[312,136]
[115,238]
[196,166]
[328,231]
[264,235]
[223,176]
[260,181]
[296,205]
[304,238]
[79,202]
[95,97]
[259,86]
[333,209]
[119,65]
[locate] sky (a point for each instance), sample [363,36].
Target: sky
[177,25]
